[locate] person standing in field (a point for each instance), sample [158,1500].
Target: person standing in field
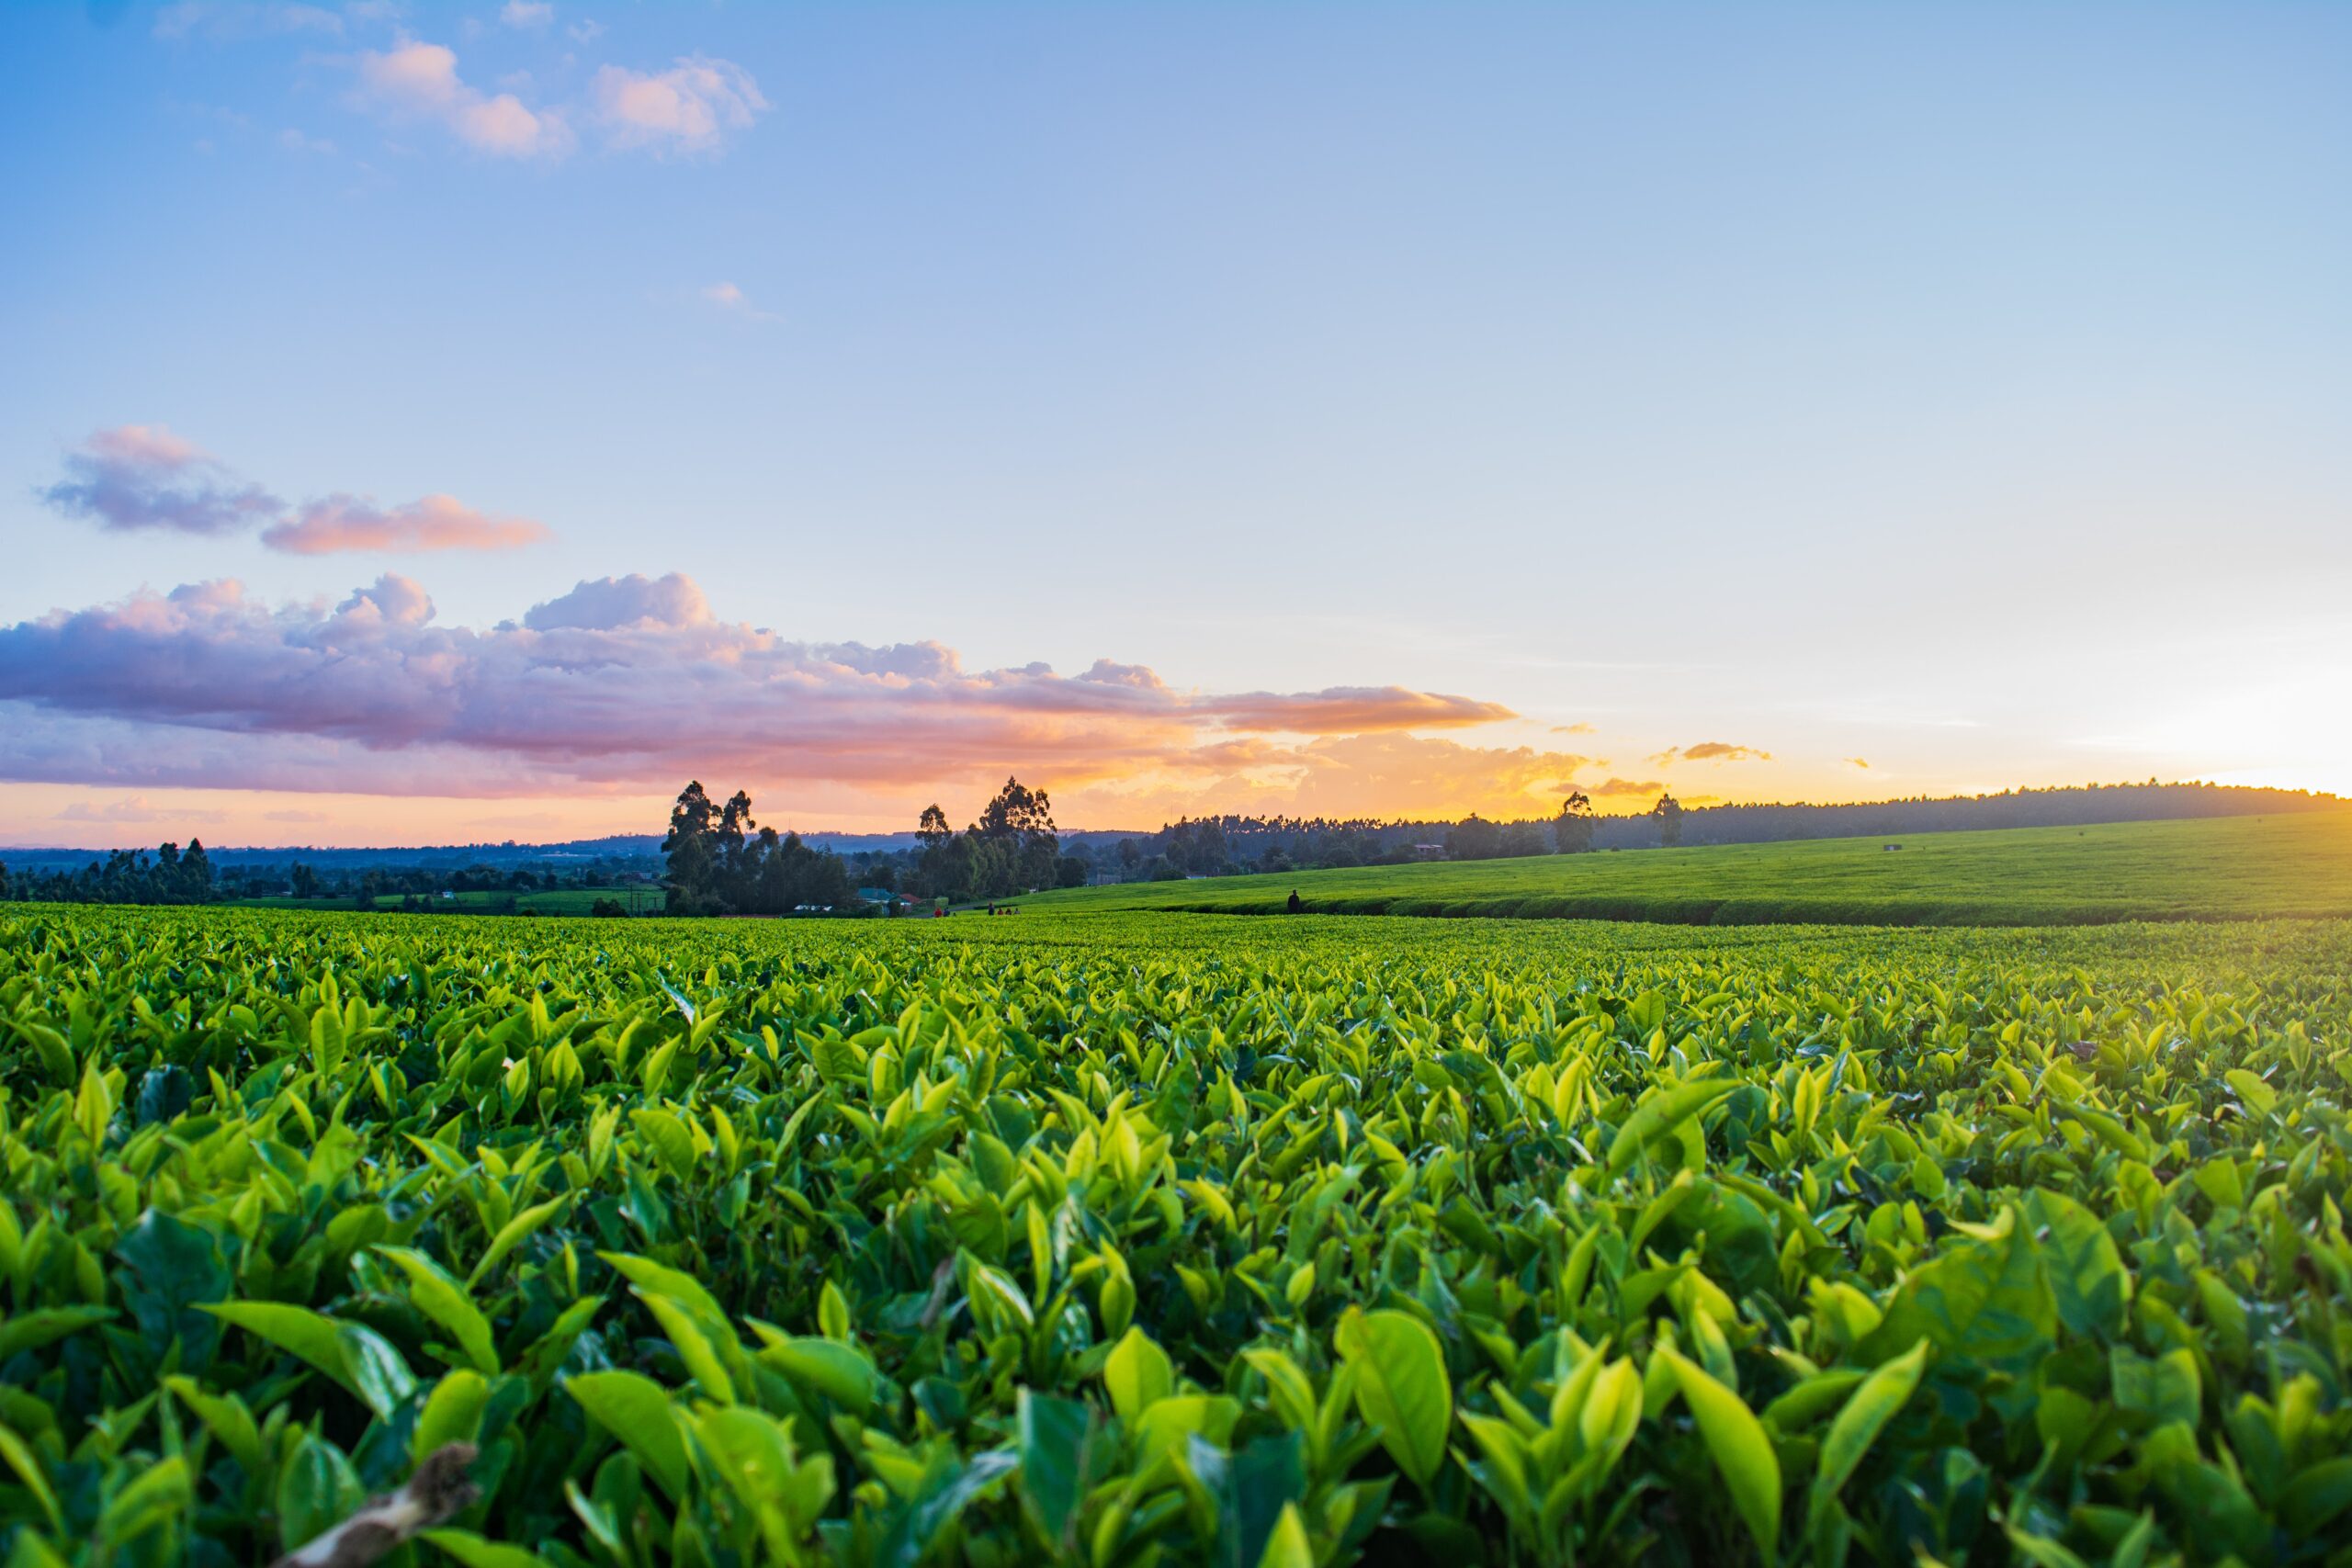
[1295,905]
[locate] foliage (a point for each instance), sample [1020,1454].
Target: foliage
[1012,849]
[723,862]
[125,876]
[1572,830]
[1127,1239]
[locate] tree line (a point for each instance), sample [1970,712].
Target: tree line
[126,876]
[722,862]
[1231,844]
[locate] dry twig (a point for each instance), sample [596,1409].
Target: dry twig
[437,1491]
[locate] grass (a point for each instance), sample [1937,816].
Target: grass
[2229,868]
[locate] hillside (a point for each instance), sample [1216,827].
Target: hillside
[2215,869]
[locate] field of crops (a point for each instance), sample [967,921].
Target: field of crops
[2224,868]
[543,901]
[1132,1239]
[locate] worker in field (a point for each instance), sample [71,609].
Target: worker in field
[1295,905]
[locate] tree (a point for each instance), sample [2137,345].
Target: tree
[1474,838]
[1017,811]
[196,873]
[303,882]
[1020,823]
[1668,813]
[934,830]
[690,848]
[1572,830]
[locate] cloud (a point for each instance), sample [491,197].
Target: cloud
[416,81]
[587,30]
[144,477]
[294,141]
[1572,729]
[631,682]
[295,815]
[610,603]
[1349,710]
[687,108]
[140,477]
[527,15]
[434,523]
[1628,786]
[734,301]
[136,808]
[1711,751]
[1857,761]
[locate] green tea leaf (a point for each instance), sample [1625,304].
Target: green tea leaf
[1137,1374]
[432,1292]
[1401,1386]
[1661,1115]
[1857,1425]
[634,1408]
[1742,1451]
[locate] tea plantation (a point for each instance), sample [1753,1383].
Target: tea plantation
[1134,1239]
[2219,868]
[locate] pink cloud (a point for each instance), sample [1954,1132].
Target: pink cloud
[143,477]
[134,809]
[687,108]
[418,81]
[609,604]
[434,523]
[620,682]
[1349,710]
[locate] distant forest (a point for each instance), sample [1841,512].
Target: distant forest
[715,861]
[1212,846]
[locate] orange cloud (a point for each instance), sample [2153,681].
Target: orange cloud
[436,522]
[1711,751]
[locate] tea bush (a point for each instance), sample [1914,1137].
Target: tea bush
[1135,1239]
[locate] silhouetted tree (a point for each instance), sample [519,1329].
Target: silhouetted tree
[1572,828]
[1668,813]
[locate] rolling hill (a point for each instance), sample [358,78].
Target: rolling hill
[2216,869]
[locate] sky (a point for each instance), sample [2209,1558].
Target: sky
[428,424]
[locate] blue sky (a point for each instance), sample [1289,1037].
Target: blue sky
[1963,390]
